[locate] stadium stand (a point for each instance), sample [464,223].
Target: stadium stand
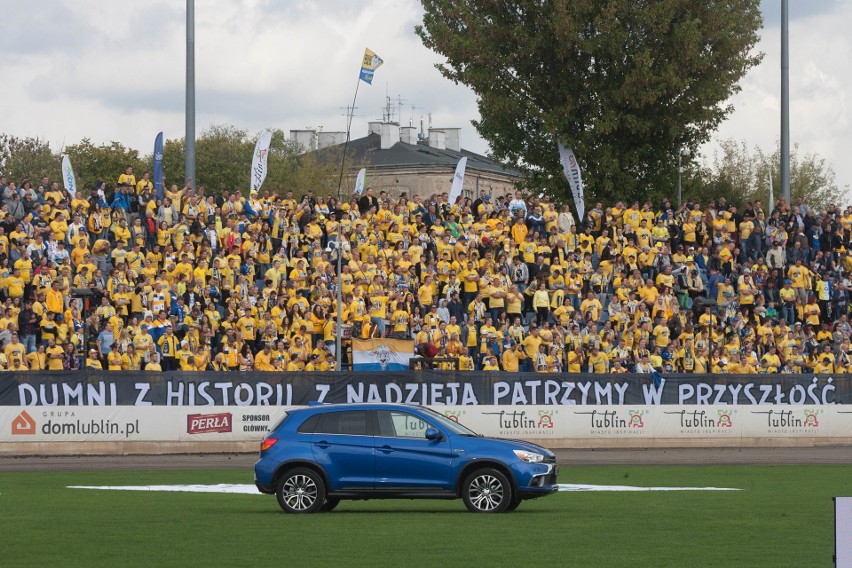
[195,281]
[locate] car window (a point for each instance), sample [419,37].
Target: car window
[309,425]
[349,422]
[450,425]
[397,424]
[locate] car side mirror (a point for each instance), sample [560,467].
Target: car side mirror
[434,434]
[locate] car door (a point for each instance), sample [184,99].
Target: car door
[343,444]
[405,459]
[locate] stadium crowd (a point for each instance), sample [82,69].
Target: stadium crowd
[195,281]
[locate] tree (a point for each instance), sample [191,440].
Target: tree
[292,169]
[625,83]
[22,158]
[740,175]
[223,161]
[104,162]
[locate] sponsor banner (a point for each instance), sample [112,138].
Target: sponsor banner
[575,178]
[426,387]
[700,422]
[458,181]
[68,178]
[381,354]
[654,422]
[260,160]
[360,181]
[136,424]
[235,424]
[523,422]
[86,424]
[228,424]
[158,165]
[791,422]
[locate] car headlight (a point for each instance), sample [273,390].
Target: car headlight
[529,457]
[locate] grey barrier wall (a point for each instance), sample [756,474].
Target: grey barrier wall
[452,388]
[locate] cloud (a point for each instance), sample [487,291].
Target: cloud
[799,9]
[820,86]
[32,29]
[115,71]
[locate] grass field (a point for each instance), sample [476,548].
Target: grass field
[782,517]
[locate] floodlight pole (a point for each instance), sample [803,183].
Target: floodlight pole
[785,100]
[189,150]
[338,335]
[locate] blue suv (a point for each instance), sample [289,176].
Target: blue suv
[318,455]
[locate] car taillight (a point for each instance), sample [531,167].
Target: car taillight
[267,443]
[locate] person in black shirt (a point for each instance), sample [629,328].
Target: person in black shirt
[367,200]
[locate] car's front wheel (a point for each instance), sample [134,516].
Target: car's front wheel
[301,490]
[514,504]
[487,490]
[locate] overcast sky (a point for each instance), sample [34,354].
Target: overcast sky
[114,70]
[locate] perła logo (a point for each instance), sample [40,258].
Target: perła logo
[23,424]
[208,423]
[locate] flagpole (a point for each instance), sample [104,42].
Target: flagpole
[346,144]
[338,335]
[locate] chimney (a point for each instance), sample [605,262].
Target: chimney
[389,133]
[374,127]
[326,139]
[437,139]
[307,138]
[408,134]
[452,138]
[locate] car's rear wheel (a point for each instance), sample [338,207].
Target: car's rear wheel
[301,490]
[487,490]
[330,504]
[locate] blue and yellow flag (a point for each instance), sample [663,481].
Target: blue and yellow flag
[381,354]
[369,65]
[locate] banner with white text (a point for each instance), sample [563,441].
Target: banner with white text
[426,387]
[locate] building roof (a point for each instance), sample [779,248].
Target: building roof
[401,155]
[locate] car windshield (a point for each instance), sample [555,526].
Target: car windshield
[450,425]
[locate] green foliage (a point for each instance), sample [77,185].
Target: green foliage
[32,158]
[741,174]
[222,161]
[625,83]
[223,157]
[103,163]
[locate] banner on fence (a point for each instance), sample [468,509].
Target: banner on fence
[246,424]
[433,388]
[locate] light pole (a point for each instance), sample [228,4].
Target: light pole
[334,248]
[682,152]
[785,100]
[189,148]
